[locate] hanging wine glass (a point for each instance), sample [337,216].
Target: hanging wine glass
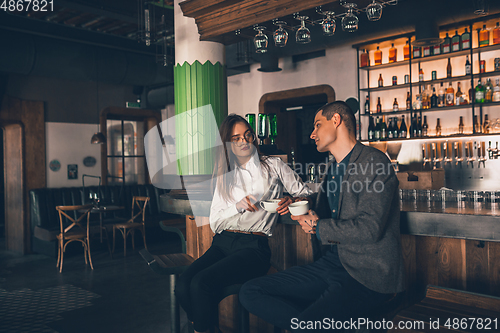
[281,35]
[350,21]
[328,24]
[303,35]
[374,11]
[260,40]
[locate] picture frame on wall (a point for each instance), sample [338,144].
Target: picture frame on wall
[72,171]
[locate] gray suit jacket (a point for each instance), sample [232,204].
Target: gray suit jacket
[367,232]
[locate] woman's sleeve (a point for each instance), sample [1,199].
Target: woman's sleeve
[291,181]
[221,209]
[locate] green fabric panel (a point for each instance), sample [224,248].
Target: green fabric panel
[195,86]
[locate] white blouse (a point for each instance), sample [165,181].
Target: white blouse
[255,180]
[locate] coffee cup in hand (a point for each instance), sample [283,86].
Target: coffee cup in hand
[270,205]
[299,207]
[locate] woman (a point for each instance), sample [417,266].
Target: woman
[240,249]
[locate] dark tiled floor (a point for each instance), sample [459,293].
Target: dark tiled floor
[120,295]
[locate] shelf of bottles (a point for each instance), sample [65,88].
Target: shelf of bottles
[460,76]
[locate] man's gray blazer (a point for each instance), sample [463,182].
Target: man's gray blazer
[367,231]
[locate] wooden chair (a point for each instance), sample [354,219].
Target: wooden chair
[131,225]
[75,231]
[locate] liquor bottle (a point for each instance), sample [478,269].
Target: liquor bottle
[437,49]
[367,105]
[419,127]
[403,130]
[420,75]
[455,42]
[383,129]
[467,66]
[438,127]
[393,54]
[458,96]
[377,129]
[390,129]
[406,51]
[378,56]
[477,126]
[380,81]
[395,128]
[448,69]
[426,50]
[446,44]
[365,59]
[496,35]
[413,127]
[371,129]
[484,37]
[465,40]
[425,99]
[461,125]
[450,95]
[486,125]
[488,92]
[292,157]
[408,101]
[379,106]
[441,96]
[395,105]
[417,52]
[496,91]
[425,127]
[479,92]
[434,99]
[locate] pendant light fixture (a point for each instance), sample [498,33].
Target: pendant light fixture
[97,138]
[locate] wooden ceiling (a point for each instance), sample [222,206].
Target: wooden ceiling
[217,20]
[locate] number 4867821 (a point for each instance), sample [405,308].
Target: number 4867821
[27,5]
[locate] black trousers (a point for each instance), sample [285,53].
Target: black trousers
[233,258]
[299,298]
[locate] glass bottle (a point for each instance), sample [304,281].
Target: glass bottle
[455,42]
[438,127]
[395,105]
[458,95]
[250,117]
[377,129]
[262,129]
[446,44]
[383,129]
[479,92]
[496,35]
[434,98]
[461,125]
[365,60]
[378,56]
[421,75]
[417,52]
[371,130]
[467,66]
[484,37]
[486,125]
[403,130]
[390,129]
[419,127]
[273,127]
[408,101]
[379,106]
[450,95]
[425,127]
[393,53]
[488,92]
[395,128]
[437,49]
[380,80]
[496,91]
[441,96]
[367,105]
[406,51]
[477,126]
[465,40]
[426,50]
[448,69]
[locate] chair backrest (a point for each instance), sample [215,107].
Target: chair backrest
[68,221]
[141,203]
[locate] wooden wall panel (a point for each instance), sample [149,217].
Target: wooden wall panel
[426,261]
[494,268]
[477,277]
[451,263]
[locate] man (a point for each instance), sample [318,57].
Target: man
[356,212]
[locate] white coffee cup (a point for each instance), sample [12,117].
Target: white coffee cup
[270,205]
[299,207]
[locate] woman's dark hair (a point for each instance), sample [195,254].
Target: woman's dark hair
[226,161]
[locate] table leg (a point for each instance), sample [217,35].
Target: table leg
[174,307]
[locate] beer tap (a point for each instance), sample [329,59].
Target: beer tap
[426,160]
[469,153]
[481,154]
[436,160]
[447,159]
[458,153]
[492,152]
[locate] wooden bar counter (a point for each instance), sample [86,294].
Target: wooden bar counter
[451,246]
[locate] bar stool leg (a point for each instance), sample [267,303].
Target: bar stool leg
[174,307]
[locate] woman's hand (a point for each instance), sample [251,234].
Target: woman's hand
[246,204]
[308,221]
[283,205]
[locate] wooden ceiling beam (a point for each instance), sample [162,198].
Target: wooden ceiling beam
[215,18]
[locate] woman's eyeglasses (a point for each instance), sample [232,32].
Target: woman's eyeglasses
[239,140]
